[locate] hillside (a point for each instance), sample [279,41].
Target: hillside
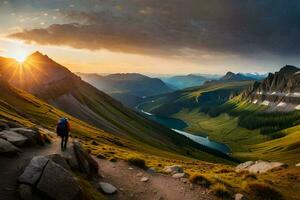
[130,88]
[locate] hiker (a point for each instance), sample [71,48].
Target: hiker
[62,130]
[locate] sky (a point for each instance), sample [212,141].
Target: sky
[154,36]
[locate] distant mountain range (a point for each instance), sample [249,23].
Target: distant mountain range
[233,77]
[129,88]
[186,81]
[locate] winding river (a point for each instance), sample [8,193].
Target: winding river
[178,126]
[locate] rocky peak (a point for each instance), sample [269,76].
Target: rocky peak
[289,69]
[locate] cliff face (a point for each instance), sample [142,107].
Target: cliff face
[280,91]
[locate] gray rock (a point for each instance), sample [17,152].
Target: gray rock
[259,166]
[173,169]
[151,170]
[70,157]
[6,148]
[58,159]
[31,135]
[144,179]
[13,137]
[107,188]
[58,183]
[180,175]
[86,163]
[244,166]
[34,170]
[239,196]
[3,126]
[25,192]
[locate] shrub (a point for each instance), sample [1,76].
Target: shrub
[220,190]
[250,176]
[200,179]
[262,191]
[138,162]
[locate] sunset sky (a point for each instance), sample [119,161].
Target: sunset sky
[154,36]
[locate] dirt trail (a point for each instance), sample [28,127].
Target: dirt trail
[159,186]
[12,167]
[120,174]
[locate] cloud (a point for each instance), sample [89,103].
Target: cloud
[166,27]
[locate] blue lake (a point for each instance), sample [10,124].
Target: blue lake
[178,126]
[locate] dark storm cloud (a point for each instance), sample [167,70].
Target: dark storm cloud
[241,27]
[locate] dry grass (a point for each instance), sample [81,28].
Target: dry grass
[200,179]
[138,162]
[262,191]
[221,191]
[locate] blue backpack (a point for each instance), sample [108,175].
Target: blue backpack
[62,127]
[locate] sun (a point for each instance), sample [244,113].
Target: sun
[20,57]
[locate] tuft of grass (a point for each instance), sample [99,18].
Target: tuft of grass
[262,191]
[89,192]
[250,176]
[138,162]
[200,179]
[220,190]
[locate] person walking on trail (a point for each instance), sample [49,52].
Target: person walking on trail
[62,130]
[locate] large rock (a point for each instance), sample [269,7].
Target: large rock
[107,188]
[70,157]
[173,169]
[260,166]
[6,148]
[31,135]
[13,137]
[58,183]
[34,170]
[86,163]
[58,159]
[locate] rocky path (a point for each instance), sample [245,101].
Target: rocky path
[128,181]
[12,167]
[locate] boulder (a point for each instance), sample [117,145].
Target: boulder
[31,135]
[34,170]
[6,148]
[70,157]
[86,163]
[107,188]
[180,175]
[25,192]
[58,183]
[58,159]
[13,137]
[173,169]
[260,166]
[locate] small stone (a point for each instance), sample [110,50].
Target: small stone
[151,170]
[144,179]
[180,175]
[139,174]
[130,168]
[107,188]
[184,180]
[173,169]
[239,196]
[298,165]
